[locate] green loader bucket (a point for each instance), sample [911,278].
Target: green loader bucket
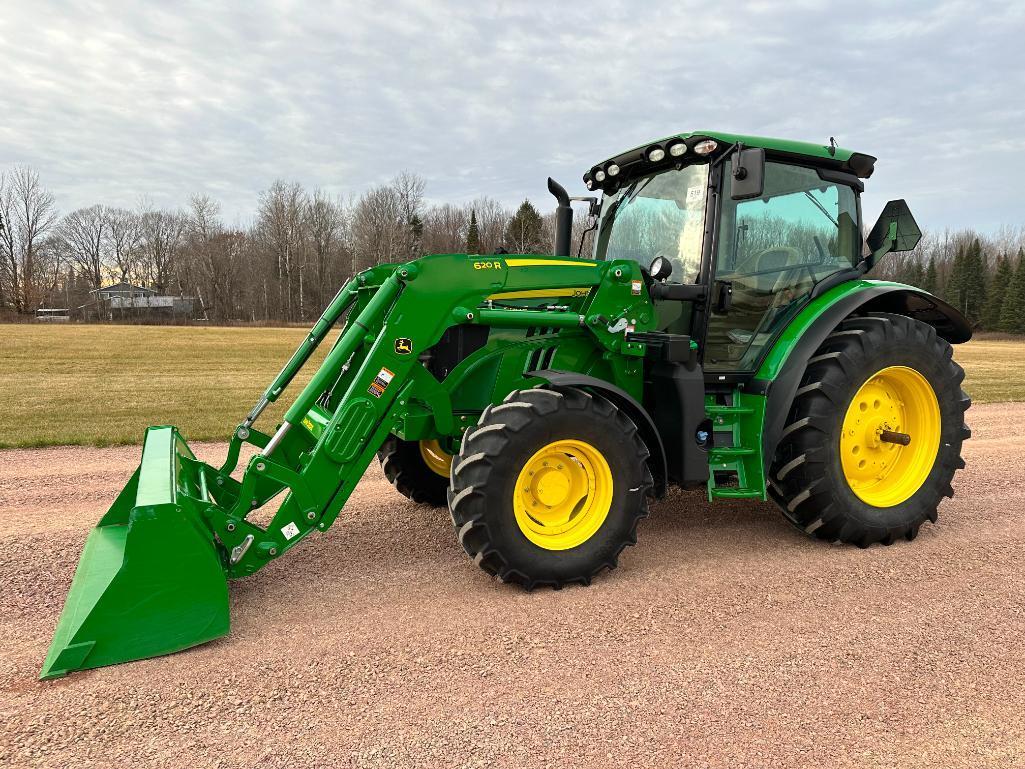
[151,579]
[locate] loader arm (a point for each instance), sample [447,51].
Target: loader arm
[376,361]
[152,576]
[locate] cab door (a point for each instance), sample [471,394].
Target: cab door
[772,251]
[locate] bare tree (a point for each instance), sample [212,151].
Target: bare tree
[84,233]
[27,215]
[161,234]
[379,228]
[280,230]
[410,189]
[445,229]
[124,232]
[492,218]
[326,231]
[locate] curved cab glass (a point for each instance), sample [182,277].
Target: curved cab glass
[661,214]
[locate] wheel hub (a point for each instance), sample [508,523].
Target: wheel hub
[894,403]
[436,458]
[563,494]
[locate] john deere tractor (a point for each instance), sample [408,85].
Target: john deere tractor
[722,335]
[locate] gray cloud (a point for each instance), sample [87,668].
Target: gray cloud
[110,101]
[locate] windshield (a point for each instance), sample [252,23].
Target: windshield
[657,215]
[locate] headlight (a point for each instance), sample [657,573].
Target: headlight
[677,149]
[656,154]
[599,176]
[589,184]
[613,169]
[706,147]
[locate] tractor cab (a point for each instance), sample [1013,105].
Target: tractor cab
[758,226]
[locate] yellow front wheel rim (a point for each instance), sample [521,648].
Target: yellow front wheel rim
[899,400]
[563,494]
[435,457]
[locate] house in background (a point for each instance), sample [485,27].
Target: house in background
[124,301]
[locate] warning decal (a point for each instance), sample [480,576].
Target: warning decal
[381,382]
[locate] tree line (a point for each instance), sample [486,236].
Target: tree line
[983,276]
[284,266]
[303,244]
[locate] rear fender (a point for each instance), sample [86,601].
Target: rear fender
[779,381]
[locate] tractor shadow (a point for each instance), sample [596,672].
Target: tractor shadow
[386,544]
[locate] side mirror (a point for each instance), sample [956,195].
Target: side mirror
[895,230]
[748,173]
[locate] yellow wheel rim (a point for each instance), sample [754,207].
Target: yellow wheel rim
[896,400]
[435,457]
[563,495]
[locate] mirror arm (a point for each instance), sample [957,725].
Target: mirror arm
[740,172]
[868,262]
[735,147]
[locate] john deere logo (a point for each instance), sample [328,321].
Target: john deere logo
[403,346]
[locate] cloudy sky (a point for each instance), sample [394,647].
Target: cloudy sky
[112,100]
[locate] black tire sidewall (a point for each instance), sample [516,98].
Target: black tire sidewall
[900,351]
[627,467]
[409,473]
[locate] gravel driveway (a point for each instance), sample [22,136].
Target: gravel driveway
[724,639]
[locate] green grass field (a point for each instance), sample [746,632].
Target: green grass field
[105,384]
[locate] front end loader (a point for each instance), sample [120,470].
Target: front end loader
[722,335]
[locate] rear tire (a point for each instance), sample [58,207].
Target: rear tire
[404,466]
[809,479]
[498,504]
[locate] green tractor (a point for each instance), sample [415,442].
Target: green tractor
[722,335]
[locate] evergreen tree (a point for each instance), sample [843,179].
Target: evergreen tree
[931,280]
[416,233]
[473,235]
[995,299]
[966,288]
[523,234]
[954,288]
[1012,313]
[916,273]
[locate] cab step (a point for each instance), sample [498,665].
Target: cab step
[736,469]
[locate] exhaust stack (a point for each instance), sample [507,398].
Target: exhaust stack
[563,218]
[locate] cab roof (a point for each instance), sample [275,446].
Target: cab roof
[636,160]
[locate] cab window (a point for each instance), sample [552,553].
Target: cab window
[773,250]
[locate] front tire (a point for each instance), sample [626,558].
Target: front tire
[417,469]
[841,472]
[548,488]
